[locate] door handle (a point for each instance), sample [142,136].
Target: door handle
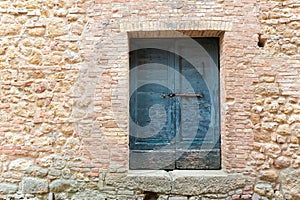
[185,95]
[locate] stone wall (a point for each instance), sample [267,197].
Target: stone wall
[275,110]
[64,98]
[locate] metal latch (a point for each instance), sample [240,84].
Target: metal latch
[185,95]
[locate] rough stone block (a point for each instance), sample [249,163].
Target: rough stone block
[20,164]
[282,162]
[263,188]
[11,29]
[39,31]
[8,188]
[37,171]
[156,181]
[63,185]
[269,175]
[197,185]
[56,27]
[284,129]
[34,185]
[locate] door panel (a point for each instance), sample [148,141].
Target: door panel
[148,107]
[169,131]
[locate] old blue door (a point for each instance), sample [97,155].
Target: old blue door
[174,104]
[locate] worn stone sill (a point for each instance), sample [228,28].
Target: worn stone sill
[184,182]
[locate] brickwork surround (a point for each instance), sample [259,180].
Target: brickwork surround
[64,86]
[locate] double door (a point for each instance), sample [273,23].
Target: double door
[174,104]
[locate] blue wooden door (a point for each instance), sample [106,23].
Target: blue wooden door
[174,104]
